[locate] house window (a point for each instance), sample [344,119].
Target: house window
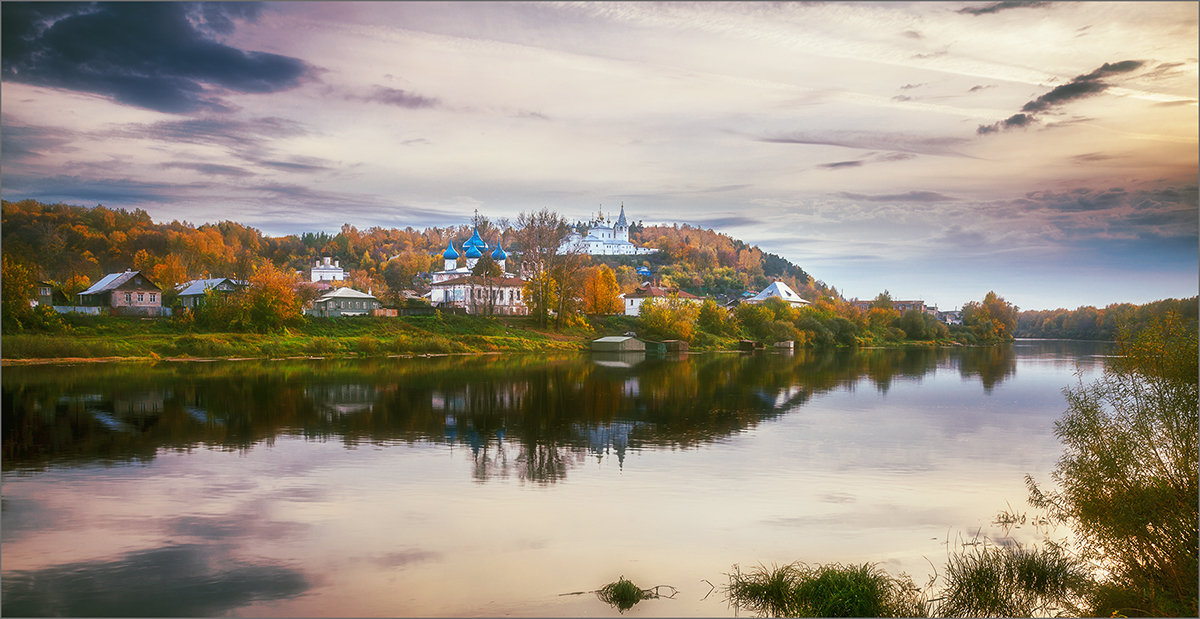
[129,297]
[141,297]
[151,297]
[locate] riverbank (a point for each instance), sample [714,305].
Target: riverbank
[100,339]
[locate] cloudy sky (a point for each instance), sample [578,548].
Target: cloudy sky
[1046,150]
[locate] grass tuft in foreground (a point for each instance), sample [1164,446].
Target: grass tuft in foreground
[834,590]
[623,594]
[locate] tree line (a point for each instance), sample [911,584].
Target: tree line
[1091,323]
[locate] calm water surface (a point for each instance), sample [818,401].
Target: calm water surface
[491,485]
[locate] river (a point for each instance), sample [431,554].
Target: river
[493,485]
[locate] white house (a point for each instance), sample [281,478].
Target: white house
[328,269]
[344,302]
[602,240]
[779,290]
[633,301]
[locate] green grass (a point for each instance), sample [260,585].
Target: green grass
[623,594]
[105,336]
[833,590]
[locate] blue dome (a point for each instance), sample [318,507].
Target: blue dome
[499,254]
[473,252]
[450,254]
[475,241]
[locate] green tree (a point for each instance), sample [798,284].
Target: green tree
[1127,480]
[16,290]
[540,297]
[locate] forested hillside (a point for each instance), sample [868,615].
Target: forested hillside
[74,246]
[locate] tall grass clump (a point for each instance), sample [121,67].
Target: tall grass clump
[994,581]
[833,590]
[623,594]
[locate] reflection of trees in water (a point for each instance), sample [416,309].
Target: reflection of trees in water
[521,417]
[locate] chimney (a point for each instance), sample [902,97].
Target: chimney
[337,263]
[327,259]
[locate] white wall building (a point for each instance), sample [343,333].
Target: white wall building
[602,240]
[328,270]
[780,290]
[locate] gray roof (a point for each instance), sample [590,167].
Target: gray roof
[112,281]
[346,293]
[200,286]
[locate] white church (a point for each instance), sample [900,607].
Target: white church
[455,286]
[602,240]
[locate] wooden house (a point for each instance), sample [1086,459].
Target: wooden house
[127,293]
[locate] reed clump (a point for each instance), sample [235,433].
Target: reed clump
[833,590]
[623,594]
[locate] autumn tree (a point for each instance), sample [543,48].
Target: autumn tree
[1127,483]
[600,291]
[669,318]
[540,296]
[992,320]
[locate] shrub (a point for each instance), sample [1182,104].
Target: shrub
[322,346]
[1127,480]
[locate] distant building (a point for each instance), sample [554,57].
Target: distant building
[778,290]
[633,301]
[344,302]
[328,269]
[602,240]
[129,293]
[191,294]
[900,306]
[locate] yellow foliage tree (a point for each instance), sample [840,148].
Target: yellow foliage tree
[600,291]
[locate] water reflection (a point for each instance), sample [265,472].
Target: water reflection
[521,417]
[179,580]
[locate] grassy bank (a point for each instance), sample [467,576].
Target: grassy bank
[95,337]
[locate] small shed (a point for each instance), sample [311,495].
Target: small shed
[618,343]
[676,345]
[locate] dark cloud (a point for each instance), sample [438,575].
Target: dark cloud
[911,86]
[183,580]
[19,142]
[297,166]
[841,164]
[1082,86]
[161,56]
[980,87]
[399,98]
[1092,157]
[996,7]
[871,141]
[248,139]
[719,223]
[911,196]
[912,34]
[212,169]
[901,98]
[80,190]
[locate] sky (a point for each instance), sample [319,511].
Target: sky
[937,150]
